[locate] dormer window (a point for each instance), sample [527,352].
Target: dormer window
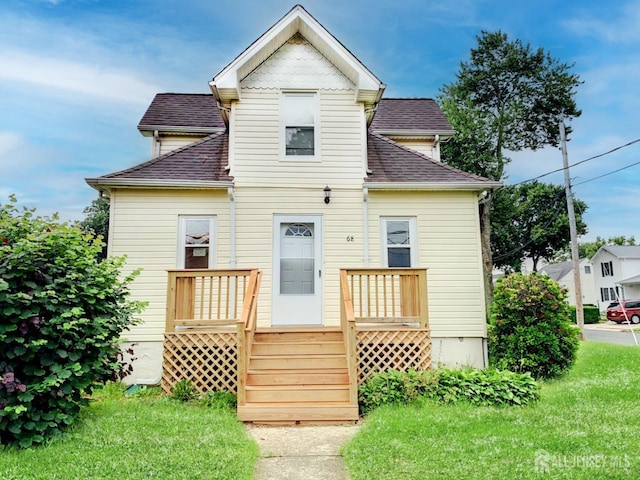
[299,124]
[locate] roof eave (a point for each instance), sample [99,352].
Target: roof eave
[106,184]
[415,133]
[147,130]
[433,186]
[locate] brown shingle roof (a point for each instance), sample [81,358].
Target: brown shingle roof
[390,162]
[202,161]
[405,114]
[184,110]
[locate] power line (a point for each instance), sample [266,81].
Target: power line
[606,174]
[628,144]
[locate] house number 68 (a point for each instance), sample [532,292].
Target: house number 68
[350,238]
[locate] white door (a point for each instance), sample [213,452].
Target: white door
[297,270]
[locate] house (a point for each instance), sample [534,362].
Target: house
[617,273]
[563,274]
[285,226]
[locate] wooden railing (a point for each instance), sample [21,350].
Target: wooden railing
[205,298]
[388,296]
[246,326]
[348,325]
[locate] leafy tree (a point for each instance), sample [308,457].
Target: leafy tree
[62,311]
[530,329]
[96,221]
[589,249]
[507,97]
[531,220]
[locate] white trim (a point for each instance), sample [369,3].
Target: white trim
[413,239]
[436,186]
[182,219]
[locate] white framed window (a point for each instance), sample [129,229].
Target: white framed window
[587,270]
[299,125]
[399,242]
[607,269]
[196,242]
[610,294]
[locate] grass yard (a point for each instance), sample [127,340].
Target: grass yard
[585,426]
[135,438]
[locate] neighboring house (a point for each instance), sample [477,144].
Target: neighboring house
[297,181]
[617,273]
[563,274]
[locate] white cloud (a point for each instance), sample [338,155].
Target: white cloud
[614,26]
[9,141]
[74,77]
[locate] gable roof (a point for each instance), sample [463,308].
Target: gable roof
[414,116]
[198,165]
[393,166]
[182,113]
[558,271]
[225,85]
[620,251]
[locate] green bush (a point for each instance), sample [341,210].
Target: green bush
[61,315]
[591,314]
[184,391]
[477,387]
[530,330]
[219,399]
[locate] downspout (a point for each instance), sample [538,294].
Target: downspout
[232,228]
[365,224]
[156,143]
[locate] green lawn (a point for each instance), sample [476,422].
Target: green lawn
[585,426]
[137,438]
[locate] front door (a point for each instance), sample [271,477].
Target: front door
[297,270]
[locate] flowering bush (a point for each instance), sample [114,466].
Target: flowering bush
[62,312]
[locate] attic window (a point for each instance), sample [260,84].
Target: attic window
[299,113]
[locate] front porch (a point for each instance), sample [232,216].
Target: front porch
[291,374]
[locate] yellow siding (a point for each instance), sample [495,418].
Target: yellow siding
[170,143]
[423,146]
[257,150]
[448,239]
[146,230]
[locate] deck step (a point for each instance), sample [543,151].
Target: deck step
[297,393]
[329,376]
[281,336]
[288,362]
[296,412]
[289,348]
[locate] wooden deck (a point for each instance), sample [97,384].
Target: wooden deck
[293,374]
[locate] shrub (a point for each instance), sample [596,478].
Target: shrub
[184,391]
[61,315]
[219,399]
[478,387]
[591,314]
[530,330]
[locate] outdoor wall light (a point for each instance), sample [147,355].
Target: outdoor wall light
[327,194]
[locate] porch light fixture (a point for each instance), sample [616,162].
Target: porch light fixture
[327,194]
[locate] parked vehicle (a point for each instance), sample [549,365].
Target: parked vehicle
[616,311]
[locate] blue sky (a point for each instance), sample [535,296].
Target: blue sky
[77,75]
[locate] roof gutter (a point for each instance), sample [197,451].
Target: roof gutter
[148,130]
[105,184]
[470,186]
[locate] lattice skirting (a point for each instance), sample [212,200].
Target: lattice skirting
[209,360]
[381,350]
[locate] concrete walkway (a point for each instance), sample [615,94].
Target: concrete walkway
[305,452]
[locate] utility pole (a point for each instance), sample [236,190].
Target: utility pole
[573,231]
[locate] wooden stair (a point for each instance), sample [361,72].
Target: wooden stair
[298,375]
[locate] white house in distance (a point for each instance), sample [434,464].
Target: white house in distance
[563,274]
[297,167]
[617,273]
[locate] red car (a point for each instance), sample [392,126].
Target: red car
[616,314]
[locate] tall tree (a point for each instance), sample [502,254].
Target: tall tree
[507,97]
[96,221]
[589,249]
[531,220]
